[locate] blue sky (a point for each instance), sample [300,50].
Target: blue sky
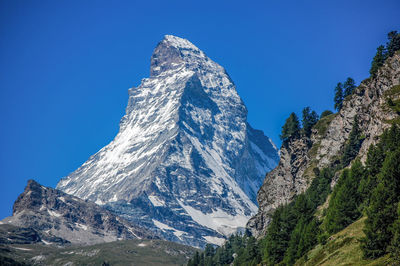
[66,66]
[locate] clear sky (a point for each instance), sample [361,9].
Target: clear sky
[66,66]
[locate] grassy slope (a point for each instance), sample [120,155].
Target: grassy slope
[342,248]
[128,252]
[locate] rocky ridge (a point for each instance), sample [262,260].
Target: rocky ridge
[53,217]
[298,159]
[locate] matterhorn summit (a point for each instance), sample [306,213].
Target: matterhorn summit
[185,164]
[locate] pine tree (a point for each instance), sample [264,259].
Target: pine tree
[353,144]
[310,118]
[349,87]
[209,250]
[373,165]
[394,43]
[394,248]
[251,254]
[389,141]
[338,99]
[345,201]
[291,128]
[295,238]
[309,237]
[278,235]
[382,210]
[378,61]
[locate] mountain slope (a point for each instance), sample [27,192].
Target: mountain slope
[342,248]
[298,159]
[56,216]
[185,163]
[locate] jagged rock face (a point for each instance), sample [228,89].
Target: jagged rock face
[370,105]
[10,234]
[281,184]
[185,162]
[57,216]
[295,170]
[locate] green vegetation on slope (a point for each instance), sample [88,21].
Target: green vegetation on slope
[299,227]
[126,252]
[342,248]
[382,52]
[331,232]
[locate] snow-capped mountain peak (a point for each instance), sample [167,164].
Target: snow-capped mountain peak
[185,162]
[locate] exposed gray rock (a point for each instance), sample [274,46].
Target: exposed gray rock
[52,216]
[295,170]
[10,234]
[185,163]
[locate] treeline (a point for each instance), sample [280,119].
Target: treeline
[372,190]
[342,90]
[384,52]
[293,231]
[292,128]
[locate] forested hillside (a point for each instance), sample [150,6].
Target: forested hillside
[359,183]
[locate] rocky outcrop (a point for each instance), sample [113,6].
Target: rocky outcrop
[369,103]
[10,234]
[50,216]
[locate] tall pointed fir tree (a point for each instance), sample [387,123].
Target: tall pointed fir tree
[394,43]
[291,128]
[338,99]
[345,200]
[394,247]
[349,86]
[310,118]
[378,60]
[382,210]
[353,144]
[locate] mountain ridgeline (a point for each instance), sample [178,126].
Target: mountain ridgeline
[184,167]
[69,219]
[336,173]
[185,164]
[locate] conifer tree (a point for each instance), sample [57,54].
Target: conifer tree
[291,128]
[338,99]
[278,235]
[353,144]
[345,201]
[382,210]
[349,86]
[389,141]
[310,118]
[394,248]
[378,61]
[394,43]
[373,165]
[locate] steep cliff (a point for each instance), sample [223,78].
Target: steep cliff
[293,175]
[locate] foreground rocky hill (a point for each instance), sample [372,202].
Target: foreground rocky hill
[334,198]
[50,216]
[294,174]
